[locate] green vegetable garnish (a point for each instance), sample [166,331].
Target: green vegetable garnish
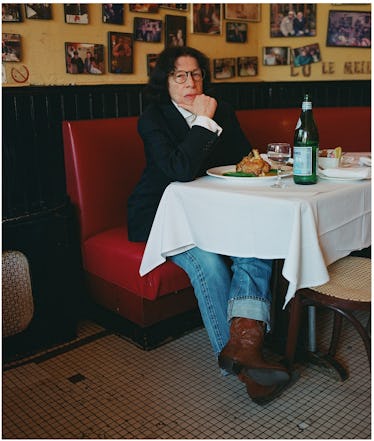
[248,175]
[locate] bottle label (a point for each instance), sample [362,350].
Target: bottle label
[306,105]
[303,161]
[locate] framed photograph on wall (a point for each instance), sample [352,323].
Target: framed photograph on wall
[247,66]
[121,52]
[150,8]
[349,29]
[11,47]
[76,13]
[112,13]
[11,12]
[147,30]
[223,68]
[293,19]
[175,30]
[84,58]
[206,18]
[243,11]
[176,6]
[38,11]
[276,56]
[151,62]
[306,55]
[236,32]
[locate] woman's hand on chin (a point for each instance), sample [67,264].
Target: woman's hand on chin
[202,105]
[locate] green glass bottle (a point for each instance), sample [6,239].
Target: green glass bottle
[306,144]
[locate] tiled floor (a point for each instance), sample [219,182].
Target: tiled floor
[107,388]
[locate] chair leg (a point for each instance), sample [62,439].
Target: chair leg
[368,326]
[336,331]
[293,329]
[361,330]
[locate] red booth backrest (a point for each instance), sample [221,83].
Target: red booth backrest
[113,157]
[348,127]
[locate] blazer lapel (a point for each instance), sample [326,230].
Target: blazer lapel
[176,123]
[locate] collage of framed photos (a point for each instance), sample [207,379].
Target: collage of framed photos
[345,29]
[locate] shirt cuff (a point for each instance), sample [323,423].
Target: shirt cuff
[208,123]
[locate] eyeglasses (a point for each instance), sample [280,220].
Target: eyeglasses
[180,76]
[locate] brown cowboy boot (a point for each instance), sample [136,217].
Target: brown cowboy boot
[243,354]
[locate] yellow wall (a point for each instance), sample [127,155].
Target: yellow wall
[43,51]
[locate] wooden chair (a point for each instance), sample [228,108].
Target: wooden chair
[347,291]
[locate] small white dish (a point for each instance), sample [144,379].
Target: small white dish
[328,162]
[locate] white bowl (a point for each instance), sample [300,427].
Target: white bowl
[328,162]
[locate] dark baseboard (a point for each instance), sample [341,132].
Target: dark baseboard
[149,337]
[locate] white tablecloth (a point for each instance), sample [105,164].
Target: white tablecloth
[307,226]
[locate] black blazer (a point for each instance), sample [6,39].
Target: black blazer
[174,152]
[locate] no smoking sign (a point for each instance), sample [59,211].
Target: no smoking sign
[20,74]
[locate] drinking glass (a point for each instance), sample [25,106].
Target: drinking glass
[279,152]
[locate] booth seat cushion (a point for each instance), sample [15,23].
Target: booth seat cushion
[111,256]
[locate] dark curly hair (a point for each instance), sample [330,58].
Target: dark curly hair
[157,88]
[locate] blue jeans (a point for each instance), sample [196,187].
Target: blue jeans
[222,294]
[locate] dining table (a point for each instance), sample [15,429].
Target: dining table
[307,226]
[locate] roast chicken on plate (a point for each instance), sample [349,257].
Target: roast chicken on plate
[253,163]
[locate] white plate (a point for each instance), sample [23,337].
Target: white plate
[348,178]
[218,172]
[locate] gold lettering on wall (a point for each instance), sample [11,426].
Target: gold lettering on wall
[328,67]
[294,72]
[305,70]
[357,67]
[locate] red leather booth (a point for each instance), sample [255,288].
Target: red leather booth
[104,159]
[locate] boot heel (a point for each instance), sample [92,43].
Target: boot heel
[229,365]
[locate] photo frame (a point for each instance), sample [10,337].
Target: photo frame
[236,32]
[243,11]
[306,55]
[11,47]
[11,12]
[151,62]
[38,11]
[176,6]
[113,13]
[349,29]
[76,13]
[276,56]
[247,66]
[84,58]
[120,52]
[293,19]
[147,30]
[175,30]
[149,8]
[223,68]
[206,18]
